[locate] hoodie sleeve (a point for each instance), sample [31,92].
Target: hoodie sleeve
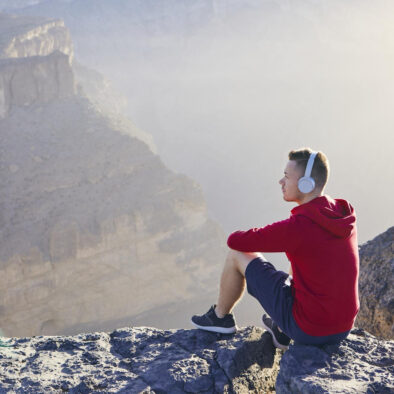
[280,236]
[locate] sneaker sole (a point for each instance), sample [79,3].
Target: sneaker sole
[276,343]
[221,330]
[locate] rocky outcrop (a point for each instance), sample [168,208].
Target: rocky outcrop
[35,61]
[27,36]
[142,360]
[360,364]
[376,280]
[148,360]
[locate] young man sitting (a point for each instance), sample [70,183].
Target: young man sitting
[320,241]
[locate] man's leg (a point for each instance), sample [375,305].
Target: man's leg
[232,285]
[232,282]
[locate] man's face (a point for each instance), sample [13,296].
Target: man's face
[289,182]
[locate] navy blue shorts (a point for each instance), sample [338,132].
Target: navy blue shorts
[269,287]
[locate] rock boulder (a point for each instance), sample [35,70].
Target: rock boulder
[360,364]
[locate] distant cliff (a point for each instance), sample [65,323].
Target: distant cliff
[26,36]
[95,230]
[35,61]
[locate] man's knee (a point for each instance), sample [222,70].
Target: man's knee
[242,259]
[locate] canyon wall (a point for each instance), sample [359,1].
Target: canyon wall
[94,228]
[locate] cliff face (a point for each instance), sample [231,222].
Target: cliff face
[94,228]
[35,62]
[376,313]
[34,80]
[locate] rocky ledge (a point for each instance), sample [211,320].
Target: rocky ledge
[360,364]
[141,360]
[149,360]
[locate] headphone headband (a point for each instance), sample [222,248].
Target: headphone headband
[309,166]
[306,184]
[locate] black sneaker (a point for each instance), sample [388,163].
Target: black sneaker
[210,322]
[280,339]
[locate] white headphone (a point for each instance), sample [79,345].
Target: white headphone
[306,184]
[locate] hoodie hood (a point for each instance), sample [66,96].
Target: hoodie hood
[335,215]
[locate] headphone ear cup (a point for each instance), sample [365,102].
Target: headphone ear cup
[306,184]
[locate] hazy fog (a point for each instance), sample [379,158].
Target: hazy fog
[227,91]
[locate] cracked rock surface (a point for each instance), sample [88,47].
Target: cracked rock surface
[360,364]
[141,360]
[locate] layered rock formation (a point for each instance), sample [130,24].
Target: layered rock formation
[35,61]
[376,280]
[26,36]
[93,225]
[94,228]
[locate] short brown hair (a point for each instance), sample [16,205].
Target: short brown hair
[321,168]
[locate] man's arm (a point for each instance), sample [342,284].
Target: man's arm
[277,237]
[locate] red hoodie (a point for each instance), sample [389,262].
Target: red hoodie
[320,241]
